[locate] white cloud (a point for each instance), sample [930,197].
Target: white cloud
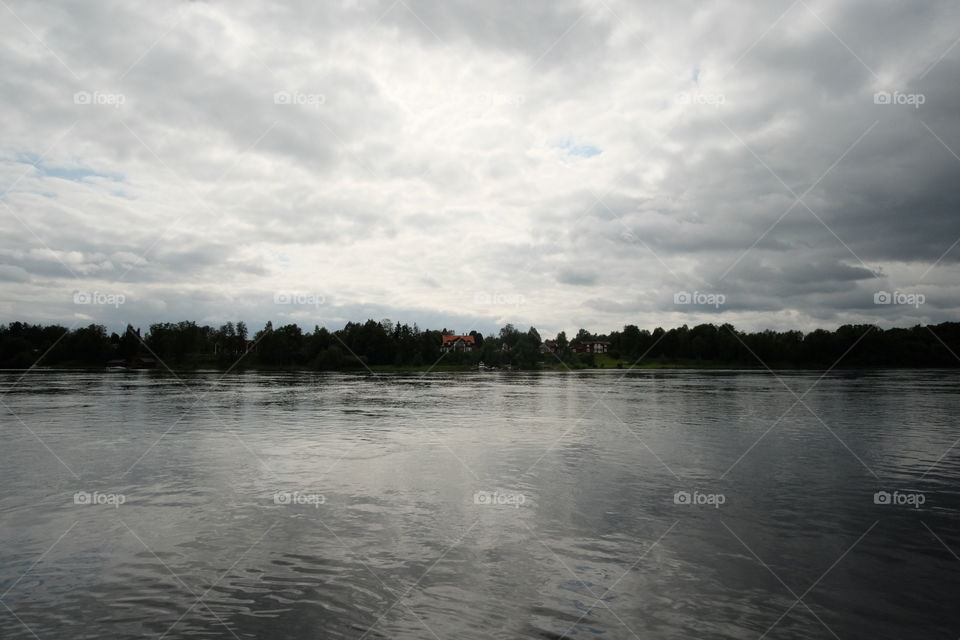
[591,158]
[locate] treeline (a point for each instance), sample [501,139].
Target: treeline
[386,344]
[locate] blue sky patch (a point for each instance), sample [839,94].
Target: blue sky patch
[76,173]
[576,148]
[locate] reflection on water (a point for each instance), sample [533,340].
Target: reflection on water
[639,504]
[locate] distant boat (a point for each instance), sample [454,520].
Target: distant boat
[117,365]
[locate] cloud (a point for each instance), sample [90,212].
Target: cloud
[576,148]
[13,273]
[589,159]
[577,277]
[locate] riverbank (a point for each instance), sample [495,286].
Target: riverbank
[602,363]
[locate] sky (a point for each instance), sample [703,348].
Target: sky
[461,165]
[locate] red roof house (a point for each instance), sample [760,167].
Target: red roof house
[592,346]
[458,343]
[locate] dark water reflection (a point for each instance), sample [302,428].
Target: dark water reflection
[400,549]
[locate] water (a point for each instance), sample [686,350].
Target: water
[385,539]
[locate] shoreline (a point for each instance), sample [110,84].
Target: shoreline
[378,369]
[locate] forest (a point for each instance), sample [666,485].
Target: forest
[386,345]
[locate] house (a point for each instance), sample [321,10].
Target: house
[592,346]
[549,346]
[457,343]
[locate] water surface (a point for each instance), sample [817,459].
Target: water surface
[376,531]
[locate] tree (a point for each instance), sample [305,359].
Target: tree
[241,344]
[509,335]
[129,345]
[630,341]
[282,346]
[525,354]
[186,344]
[89,345]
[330,359]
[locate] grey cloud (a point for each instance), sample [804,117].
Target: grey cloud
[580,277]
[412,183]
[13,273]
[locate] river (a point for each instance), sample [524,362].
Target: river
[597,504]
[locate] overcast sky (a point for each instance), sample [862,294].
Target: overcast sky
[466,164]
